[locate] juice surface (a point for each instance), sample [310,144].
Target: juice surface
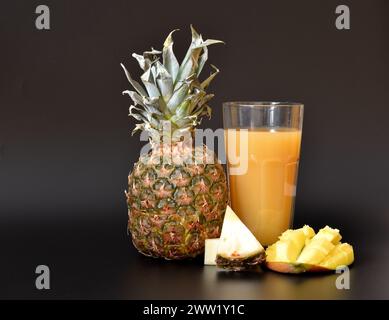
[263,197]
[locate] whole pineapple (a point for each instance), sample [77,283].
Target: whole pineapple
[177,192]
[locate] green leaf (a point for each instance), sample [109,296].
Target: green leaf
[169,59]
[190,65]
[142,115]
[186,70]
[203,59]
[137,114]
[138,127]
[178,96]
[208,111]
[182,109]
[136,98]
[207,43]
[196,37]
[164,81]
[207,81]
[150,108]
[147,59]
[151,54]
[194,99]
[143,63]
[164,108]
[134,83]
[149,82]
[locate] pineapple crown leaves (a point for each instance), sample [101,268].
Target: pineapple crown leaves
[171,92]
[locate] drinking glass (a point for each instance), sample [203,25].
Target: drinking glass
[262,142]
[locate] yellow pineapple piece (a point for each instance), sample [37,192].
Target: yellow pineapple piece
[291,242]
[302,250]
[309,232]
[298,236]
[315,251]
[281,256]
[281,251]
[341,255]
[330,234]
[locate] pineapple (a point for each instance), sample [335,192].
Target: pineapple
[177,192]
[301,250]
[237,248]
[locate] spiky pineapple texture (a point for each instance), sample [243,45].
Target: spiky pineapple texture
[177,193]
[174,208]
[172,92]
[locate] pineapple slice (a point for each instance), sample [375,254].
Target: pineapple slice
[315,251]
[294,253]
[238,248]
[320,246]
[211,251]
[330,234]
[284,252]
[293,242]
[342,255]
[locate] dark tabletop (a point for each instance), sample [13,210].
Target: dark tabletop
[95,260]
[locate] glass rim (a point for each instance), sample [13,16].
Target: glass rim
[262,104]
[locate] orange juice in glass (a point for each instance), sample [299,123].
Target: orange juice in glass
[263,148]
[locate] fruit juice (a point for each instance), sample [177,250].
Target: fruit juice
[263,196]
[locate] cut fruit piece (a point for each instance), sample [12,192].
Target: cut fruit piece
[211,251]
[289,247]
[330,234]
[342,255]
[320,252]
[315,251]
[319,246]
[238,249]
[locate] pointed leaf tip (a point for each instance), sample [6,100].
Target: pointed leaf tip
[134,83]
[169,38]
[193,30]
[215,68]
[169,59]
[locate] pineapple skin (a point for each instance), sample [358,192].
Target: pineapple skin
[173,207]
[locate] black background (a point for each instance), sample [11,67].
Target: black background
[65,148]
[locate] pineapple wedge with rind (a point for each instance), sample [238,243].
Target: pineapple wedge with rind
[238,249]
[321,252]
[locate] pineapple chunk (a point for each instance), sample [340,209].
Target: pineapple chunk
[319,246]
[308,232]
[238,248]
[315,251]
[211,251]
[341,255]
[330,234]
[301,250]
[289,247]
